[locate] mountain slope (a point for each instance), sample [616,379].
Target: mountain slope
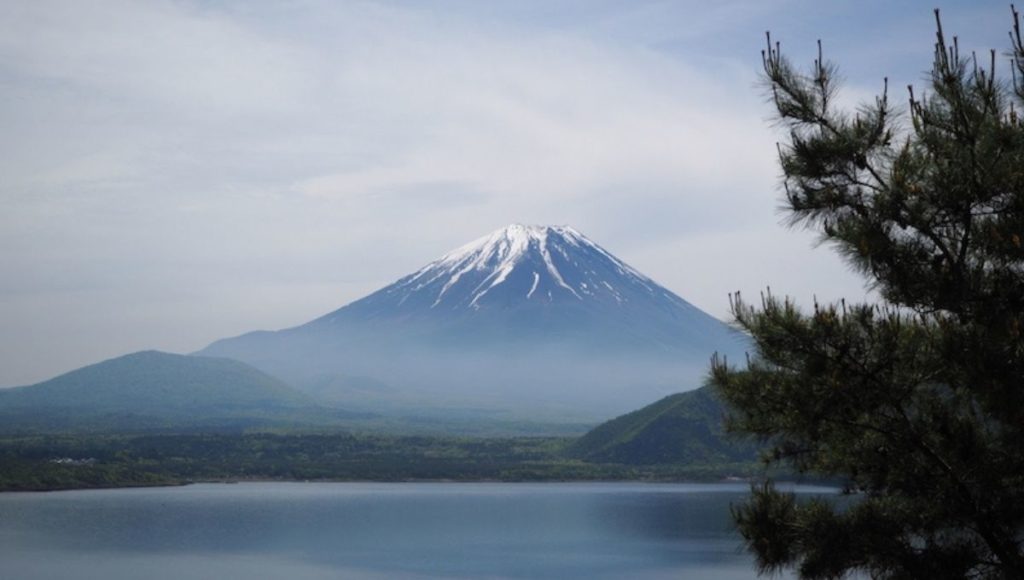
[524,283]
[685,428]
[529,320]
[151,388]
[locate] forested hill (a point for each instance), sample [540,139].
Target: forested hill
[685,428]
[150,388]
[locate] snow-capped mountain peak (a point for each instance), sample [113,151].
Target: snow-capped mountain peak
[521,265]
[498,254]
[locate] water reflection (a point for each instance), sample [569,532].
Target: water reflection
[312,531]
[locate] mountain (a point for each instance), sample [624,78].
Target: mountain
[521,284]
[529,320]
[685,428]
[152,389]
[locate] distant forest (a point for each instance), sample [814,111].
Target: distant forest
[99,461]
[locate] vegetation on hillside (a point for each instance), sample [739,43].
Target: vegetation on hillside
[153,391]
[157,382]
[685,428]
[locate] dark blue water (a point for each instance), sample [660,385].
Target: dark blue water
[305,531]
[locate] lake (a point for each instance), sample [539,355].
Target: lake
[313,531]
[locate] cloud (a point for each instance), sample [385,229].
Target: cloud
[175,172]
[167,53]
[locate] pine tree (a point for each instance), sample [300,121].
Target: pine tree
[916,401]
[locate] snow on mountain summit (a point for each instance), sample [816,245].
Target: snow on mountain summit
[517,265]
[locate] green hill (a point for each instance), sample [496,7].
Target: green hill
[685,428]
[152,389]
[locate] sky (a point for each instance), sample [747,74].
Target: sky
[175,172]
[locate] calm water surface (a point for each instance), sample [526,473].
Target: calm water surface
[313,531]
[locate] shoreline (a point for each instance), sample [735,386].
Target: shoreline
[234,481]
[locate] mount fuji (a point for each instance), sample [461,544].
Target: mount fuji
[534,321]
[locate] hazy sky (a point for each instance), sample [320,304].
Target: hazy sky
[174,172]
